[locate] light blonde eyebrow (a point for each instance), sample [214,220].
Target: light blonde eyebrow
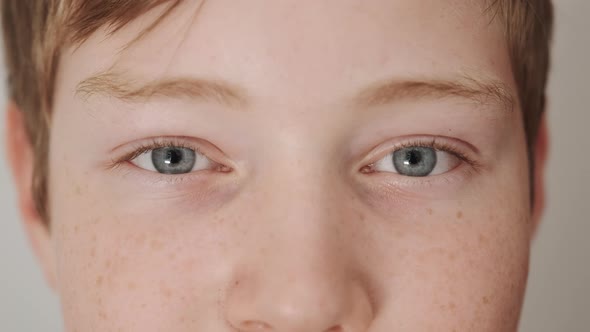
[480,91]
[112,84]
[118,85]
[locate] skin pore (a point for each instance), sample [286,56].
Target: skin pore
[294,217]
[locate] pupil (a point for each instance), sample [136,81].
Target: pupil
[413,157]
[173,157]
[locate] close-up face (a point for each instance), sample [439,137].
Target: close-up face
[286,166]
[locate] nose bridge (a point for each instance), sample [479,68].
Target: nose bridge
[301,181]
[302,220]
[295,275]
[305,212]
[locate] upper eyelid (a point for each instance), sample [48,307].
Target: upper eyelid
[139,150]
[433,145]
[147,148]
[440,143]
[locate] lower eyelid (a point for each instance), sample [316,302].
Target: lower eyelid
[397,182]
[159,179]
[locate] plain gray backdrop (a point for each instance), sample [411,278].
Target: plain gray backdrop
[558,295]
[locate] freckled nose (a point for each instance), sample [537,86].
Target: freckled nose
[297,302]
[297,270]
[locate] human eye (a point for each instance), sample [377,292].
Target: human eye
[420,158]
[172,160]
[170,156]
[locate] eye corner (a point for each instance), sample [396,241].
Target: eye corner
[221,168]
[367,169]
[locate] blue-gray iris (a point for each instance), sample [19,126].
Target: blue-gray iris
[415,161]
[173,160]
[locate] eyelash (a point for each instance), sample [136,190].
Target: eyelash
[434,143]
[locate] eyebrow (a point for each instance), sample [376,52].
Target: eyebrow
[479,90]
[120,86]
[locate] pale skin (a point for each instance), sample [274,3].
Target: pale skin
[295,222]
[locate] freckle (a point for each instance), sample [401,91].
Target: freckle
[131,285]
[99,281]
[459,215]
[93,252]
[141,239]
[156,245]
[102,315]
[452,306]
[76,229]
[361,216]
[107,263]
[452,256]
[172,256]
[482,239]
[429,210]
[485,300]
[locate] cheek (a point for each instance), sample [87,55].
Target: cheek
[464,262]
[132,269]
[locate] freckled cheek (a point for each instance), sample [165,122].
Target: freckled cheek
[488,267]
[470,268]
[116,267]
[466,255]
[477,234]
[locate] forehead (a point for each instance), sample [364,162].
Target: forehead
[283,44]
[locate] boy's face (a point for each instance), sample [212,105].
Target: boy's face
[288,166]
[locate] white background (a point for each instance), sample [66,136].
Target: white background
[558,297]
